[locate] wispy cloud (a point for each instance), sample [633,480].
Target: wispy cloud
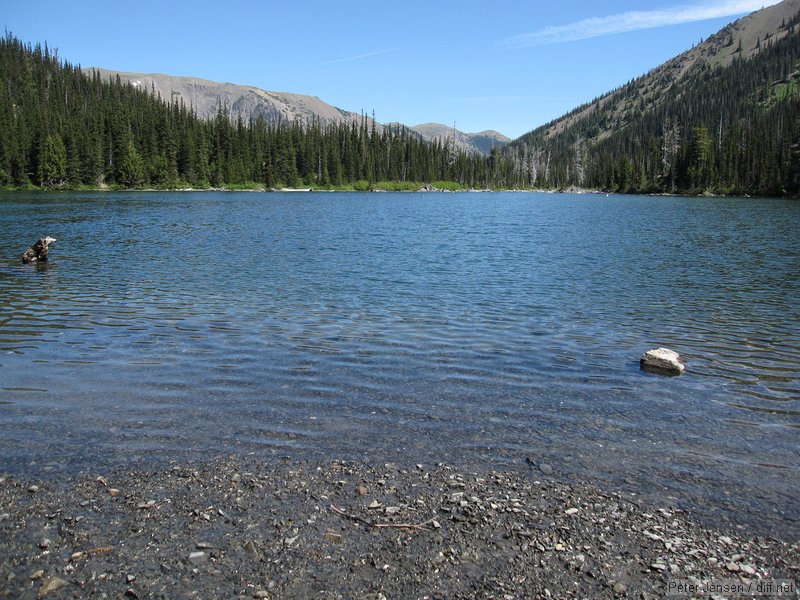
[357,57]
[634,21]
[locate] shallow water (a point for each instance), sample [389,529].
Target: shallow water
[471,328]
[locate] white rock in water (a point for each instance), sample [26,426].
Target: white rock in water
[662,360]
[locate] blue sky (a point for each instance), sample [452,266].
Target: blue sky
[509,65]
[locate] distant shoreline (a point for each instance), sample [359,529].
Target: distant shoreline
[426,188]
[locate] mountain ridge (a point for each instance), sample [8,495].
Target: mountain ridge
[720,118]
[206,97]
[739,38]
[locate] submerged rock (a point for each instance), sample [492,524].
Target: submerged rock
[662,361]
[37,252]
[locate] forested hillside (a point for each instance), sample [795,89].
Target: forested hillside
[62,128]
[723,118]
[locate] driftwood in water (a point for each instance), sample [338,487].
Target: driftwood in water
[37,252]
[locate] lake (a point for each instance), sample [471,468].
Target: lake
[496,330]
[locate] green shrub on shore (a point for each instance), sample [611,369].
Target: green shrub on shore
[450,186]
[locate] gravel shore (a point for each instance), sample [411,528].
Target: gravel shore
[236,528]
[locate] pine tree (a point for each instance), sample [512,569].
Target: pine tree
[53,165]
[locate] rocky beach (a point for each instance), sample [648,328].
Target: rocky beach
[235,527]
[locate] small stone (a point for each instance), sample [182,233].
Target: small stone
[197,557]
[37,574]
[392,510]
[113,492]
[732,567]
[545,468]
[748,569]
[45,543]
[251,550]
[34,489]
[203,545]
[560,548]
[375,504]
[362,490]
[130,578]
[726,540]
[290,540]
[658,567]
[620,588]
[51,584]
[333,537]
[571,511]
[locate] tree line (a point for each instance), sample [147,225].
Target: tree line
[731,129]
[727,130]
[63,127]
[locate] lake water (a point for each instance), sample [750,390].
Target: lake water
[477,329]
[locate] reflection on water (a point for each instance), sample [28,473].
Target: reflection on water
[474,328]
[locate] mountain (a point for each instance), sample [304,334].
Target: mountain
[481,142]
[205,97]
[722,117]
[61,127]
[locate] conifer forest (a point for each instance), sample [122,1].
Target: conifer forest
[724,130]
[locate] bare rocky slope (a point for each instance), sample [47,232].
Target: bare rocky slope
[743,38]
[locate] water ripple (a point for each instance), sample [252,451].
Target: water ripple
[470,327]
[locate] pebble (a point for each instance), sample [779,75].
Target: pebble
[489,519]
[251,550]
[333,537]
[33,489]
[545,468]
[51,584]
[45,543]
